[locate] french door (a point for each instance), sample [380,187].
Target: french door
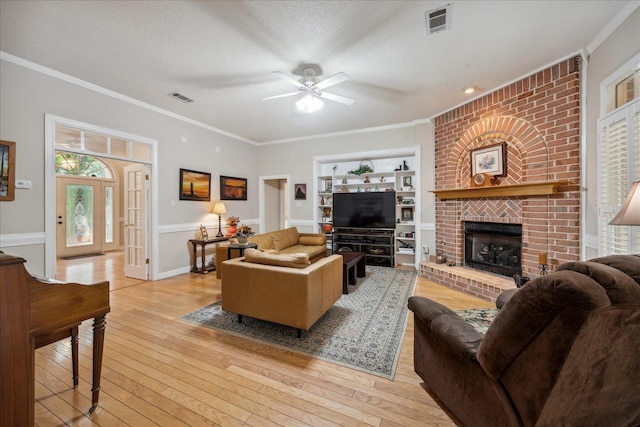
[136,225]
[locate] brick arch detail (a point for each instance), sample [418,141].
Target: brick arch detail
[527,150]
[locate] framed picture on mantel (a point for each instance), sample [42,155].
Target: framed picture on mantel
[491,160]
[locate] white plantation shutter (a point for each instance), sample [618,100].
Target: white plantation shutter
[619,167]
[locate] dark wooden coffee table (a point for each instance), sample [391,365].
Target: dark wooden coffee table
[352,267]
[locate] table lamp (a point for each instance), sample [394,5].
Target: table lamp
[219,209]
[630,212]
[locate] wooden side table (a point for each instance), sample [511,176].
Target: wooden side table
[240,248]
[203,243]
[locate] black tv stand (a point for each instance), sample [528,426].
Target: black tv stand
[376,243]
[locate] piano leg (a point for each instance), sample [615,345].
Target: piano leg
[74,354]
[99,324]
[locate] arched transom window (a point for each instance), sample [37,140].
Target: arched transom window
[81,165]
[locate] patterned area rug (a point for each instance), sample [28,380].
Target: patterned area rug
[363,330]
[479,318]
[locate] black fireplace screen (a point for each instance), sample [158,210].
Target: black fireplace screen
[493,247]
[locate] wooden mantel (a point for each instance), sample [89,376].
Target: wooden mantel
[539,188]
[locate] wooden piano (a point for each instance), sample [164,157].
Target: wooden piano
[34,313]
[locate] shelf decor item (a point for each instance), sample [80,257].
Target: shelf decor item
[366,166]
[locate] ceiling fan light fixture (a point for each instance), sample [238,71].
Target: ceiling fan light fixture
[309,104]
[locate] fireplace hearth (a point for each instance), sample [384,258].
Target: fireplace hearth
[493,247]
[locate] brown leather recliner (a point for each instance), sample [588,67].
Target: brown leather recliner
[563,351]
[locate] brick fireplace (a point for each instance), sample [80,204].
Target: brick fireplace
[538,118]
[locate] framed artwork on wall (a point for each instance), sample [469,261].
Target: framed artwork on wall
[407,214]
[195,185]
[300,191]
[7,170]
[232,188]
[490,160]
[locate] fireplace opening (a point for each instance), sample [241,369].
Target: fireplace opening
[493,247]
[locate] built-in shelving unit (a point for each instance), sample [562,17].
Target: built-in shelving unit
[391,172]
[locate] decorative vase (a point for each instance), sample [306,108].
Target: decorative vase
[242,240]
[233,229]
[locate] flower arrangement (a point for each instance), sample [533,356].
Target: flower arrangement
[244,231]
[233,220]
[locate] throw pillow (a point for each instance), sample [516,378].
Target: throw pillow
[312,240]
[282,239]
[288,260]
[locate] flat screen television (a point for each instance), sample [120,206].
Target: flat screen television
[366,210]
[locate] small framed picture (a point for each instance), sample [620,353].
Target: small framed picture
[300,191]
[203,232]
[406,181]
[407,214]
[328,185]
[490,160]
[7,170]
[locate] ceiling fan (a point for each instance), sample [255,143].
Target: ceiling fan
[312,88]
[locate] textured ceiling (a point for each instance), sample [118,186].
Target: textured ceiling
[222,53]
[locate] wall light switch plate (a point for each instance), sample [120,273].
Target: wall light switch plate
[23,183]
[298,204]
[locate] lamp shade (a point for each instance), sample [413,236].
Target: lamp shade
[630,212]
[219,208]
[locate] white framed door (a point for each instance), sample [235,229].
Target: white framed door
[136,221]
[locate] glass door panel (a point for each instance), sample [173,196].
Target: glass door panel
[79,215]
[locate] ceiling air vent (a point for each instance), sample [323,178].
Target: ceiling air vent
[180,97]
[438,19]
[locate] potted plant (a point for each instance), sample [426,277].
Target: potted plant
[232,222]
[242,234]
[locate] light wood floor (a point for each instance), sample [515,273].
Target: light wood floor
[159,370]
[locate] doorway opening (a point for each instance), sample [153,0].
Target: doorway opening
[91,227]
[274,202]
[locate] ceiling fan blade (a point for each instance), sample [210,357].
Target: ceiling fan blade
[281,96]
[333,80]
[337,98]
[286,77]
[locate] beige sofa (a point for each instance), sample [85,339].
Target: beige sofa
[295,296]
[287,241]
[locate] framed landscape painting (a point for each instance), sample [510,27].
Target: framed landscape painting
[195,185]
[7,170]
[490,160]
[233,188]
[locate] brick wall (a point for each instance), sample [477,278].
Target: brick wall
[538,118]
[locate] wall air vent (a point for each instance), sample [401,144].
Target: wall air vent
[180,97]
[438,19]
